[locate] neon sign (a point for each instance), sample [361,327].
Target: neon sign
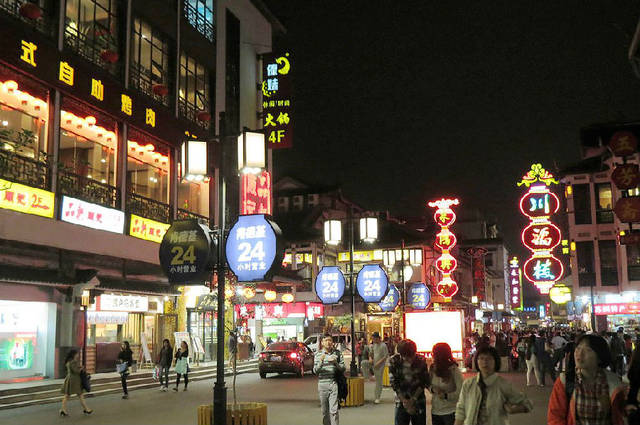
[540,236]
[445,241]
[515,284]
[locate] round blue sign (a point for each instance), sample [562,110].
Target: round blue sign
[372,283]
[330,284]
[251,247]
[419,296]
[390,302]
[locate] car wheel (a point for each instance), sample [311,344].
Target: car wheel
[301,371]
[263,375]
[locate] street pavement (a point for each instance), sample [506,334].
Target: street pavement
[290,400]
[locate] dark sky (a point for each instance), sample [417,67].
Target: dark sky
[401,102]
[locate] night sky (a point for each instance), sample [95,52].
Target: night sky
[400,102]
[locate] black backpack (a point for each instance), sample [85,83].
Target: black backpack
[343,387]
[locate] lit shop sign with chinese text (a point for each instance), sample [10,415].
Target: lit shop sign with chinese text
[616,308]
[94,216]
[419,296]
[187,252]
[251,247]
[330,284]
[123,303]
[310,310]
[149,230]
[107,317]
[256,193]
[361,256]
[515,284]
[25,199]
[372,283]
[276,100]
[445,241]
[540,236]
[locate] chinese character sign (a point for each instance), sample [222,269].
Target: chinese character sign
[95,216]
[390,302]
[256,194]
[107,302]
[187,252]
[144,228]
[515,284]
[25,199]
[330,285]
[445,241]
[372,283]
[276,100]
[419,296]
[540,236]
[252,247]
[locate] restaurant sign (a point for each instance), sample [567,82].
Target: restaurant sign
[147,229]
[91,215]
[26,199]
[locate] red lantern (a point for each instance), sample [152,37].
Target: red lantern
[30,10]
[623,143]
[447,287]
[160,90]
[543,271]
[203,116]
[444,217]
[628,209]
[541,236]
[109,56]
[626,176]
[446,263]
[445,240]
[539,202]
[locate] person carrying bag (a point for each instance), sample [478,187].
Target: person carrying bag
[125,358]
[182,365]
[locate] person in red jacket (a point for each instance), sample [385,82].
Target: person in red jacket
[588,393]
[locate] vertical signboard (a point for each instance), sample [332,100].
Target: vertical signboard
[277,114]
[515,284]
[255,196]
[445,241]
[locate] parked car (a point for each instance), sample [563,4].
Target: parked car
[289,357]
[342,341]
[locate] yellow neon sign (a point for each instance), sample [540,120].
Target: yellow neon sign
[26,199]
[97,89]
[149,230]
[29,52]
[66,73]
[126,104]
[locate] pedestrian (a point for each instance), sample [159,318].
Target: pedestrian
[543,357]
[359,347]
[233,348]
[366,362]
[164,363]
[558,343]
[487,398]
[531,360]
[631,406]
[446,383]
[73,382]
[522,353]
[379,354]
[327,361]
[503,351]
[182,365]
[409,379]
[125,361]
[618,352]
[587,393]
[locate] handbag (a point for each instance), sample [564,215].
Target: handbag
[182,366]
[155,373]
[85,379]
[121,367]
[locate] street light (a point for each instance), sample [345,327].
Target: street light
[193,164]
[251,152]
[333,236]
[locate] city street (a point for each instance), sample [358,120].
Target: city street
[290,401]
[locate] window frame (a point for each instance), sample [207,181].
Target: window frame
[142,76]
[578,213]
[603,215]
[202,90]
[193,13]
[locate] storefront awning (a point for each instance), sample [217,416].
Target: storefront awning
[47,277]
[136,286]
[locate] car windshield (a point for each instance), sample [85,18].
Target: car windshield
[277,346]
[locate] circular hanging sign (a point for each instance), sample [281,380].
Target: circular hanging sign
[539,204]
[330,284]
[446,263]
[560,294]
[390,302]
[419,296]
[444,217]
[372,283]
[626,176]
[447,287]
[186,254]
[628,209]
[541,236]
[543,271]
[623,143]
[445,239]
[252,247]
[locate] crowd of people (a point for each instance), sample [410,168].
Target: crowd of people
[595,377]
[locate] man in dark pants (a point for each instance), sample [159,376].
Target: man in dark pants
[409,378]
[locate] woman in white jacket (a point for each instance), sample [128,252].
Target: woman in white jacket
[532,361]
[487,398]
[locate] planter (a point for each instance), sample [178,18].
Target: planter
[203,116]
[30,10]
[247,413]
[109,56]
[160,90]
[356,392]
[386,382]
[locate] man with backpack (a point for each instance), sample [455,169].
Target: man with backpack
[327,364]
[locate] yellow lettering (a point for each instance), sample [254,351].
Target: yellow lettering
[97,89]
[66,73]
[29,53]
[126,104]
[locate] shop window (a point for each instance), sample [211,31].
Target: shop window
[43,24]
[199,13]
[582,203]
[313,200]
[193,90]
[23,137]
[150,61]
[194,197]
[298,202]
[91,30]
[586,273]
[608,263]
[283,204]
[604,212]
[633,262]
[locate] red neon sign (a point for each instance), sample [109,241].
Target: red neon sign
[539,203]
[256,193]
[543,271]
[445,241]
[541,236]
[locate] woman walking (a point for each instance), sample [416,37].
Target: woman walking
[587,393]
[531,360]
[164,363]
[631,407]
[487,398]
[446,383]
[73,383]
[182,365]
[125,360]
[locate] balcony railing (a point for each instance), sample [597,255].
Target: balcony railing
[189,111]
[148,208]
[88,190]
[198,21]
[27,171]
[186,215]
[44,24]
[92,47]
[142,79]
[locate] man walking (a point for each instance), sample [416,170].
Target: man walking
[379,354]
[558,343]
[326,362]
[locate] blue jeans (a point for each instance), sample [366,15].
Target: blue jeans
[404,418]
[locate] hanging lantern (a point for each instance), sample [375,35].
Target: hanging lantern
[160,89]
[287,298]
[269,295]
[249,292]
[30,10]
[203,116]
[109,56]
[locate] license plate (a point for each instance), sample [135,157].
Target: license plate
[275,358]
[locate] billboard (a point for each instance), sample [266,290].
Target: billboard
[429,328]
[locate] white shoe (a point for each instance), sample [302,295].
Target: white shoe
[376,401]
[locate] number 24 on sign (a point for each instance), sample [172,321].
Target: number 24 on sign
[251,253]
[180,255]
[372,287]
